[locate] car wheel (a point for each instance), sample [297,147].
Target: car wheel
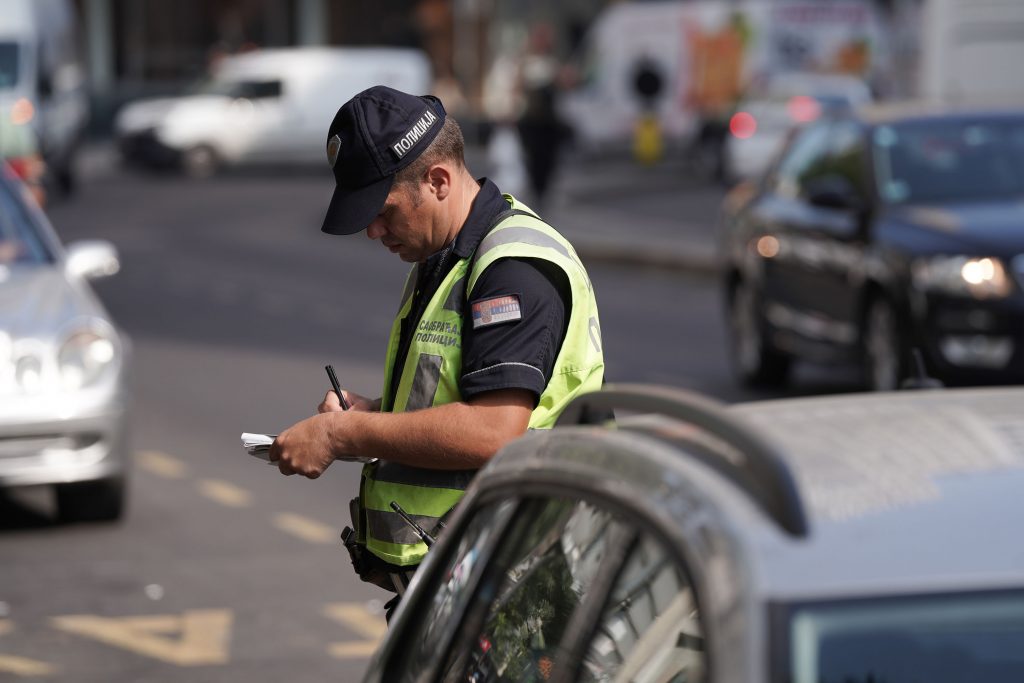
[884,365]
[755,361]
[200,161]
[91,501]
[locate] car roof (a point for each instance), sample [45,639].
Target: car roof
[900,492]
[903,490]
[912,110]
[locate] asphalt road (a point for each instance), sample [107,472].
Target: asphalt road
[223,570]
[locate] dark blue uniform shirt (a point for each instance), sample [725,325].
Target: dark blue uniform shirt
[517,354]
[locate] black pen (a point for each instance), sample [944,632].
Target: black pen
[337,387]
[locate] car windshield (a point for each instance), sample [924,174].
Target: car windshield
[20,242]
[8,65]
[939,639]
[950,161]
[250,89]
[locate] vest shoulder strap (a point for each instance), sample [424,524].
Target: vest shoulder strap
[508,213]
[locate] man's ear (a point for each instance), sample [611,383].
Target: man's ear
[440,178]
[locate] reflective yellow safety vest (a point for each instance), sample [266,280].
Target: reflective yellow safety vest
[432,369]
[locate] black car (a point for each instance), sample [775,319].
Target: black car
[878,233]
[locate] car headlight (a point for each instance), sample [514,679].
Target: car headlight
[28,373]
[85,357]
[977,277]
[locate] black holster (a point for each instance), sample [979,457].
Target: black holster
[369,567]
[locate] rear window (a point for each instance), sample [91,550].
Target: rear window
[8,65]
[20,241]
[965,638]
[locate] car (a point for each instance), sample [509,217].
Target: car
[264,106]
[883,236]
[762,120]
[870,537]
[63,365]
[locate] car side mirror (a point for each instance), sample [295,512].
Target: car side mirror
[91,259]
[834,192]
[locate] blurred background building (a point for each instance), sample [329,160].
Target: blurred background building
[136,48]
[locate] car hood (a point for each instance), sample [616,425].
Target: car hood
[992,227]
[41,302]
[147,114]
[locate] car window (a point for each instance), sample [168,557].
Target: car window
[846,156]
[802,160]
[436,624]
[525,602]
[8,65]
[20,243]
[259,90]
[936,638]
[942,160]
[650,629]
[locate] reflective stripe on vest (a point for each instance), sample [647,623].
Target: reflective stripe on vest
[430,375]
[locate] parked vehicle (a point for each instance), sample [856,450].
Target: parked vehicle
[849,538]
[704,56]
[878,233]
[42,79]
[763,119]
[63,401]
[270,106]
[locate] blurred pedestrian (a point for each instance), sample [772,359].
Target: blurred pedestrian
[497,329]
[541,129]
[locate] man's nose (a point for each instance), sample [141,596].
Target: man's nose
[375,230]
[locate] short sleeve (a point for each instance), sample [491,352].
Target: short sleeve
[514,326]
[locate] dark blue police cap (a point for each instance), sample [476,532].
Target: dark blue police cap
[374,135]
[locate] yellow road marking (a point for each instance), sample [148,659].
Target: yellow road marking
[161,464]
[224,493]
[305,528]
[202,636]
[20,666]
[361,620]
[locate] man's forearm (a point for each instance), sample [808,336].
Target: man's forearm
[455,436]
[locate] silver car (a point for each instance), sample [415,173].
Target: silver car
[62,365]
[818,540]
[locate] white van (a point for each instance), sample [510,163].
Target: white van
[269,106]
[42,81]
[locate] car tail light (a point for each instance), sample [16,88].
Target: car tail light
[24,167]
[743,125]
[803,109]
[22,112]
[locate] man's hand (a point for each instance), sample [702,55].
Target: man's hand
[305,447]
[331,404]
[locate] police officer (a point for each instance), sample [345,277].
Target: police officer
[497,328]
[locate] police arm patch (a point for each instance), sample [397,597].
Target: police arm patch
[499,309]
